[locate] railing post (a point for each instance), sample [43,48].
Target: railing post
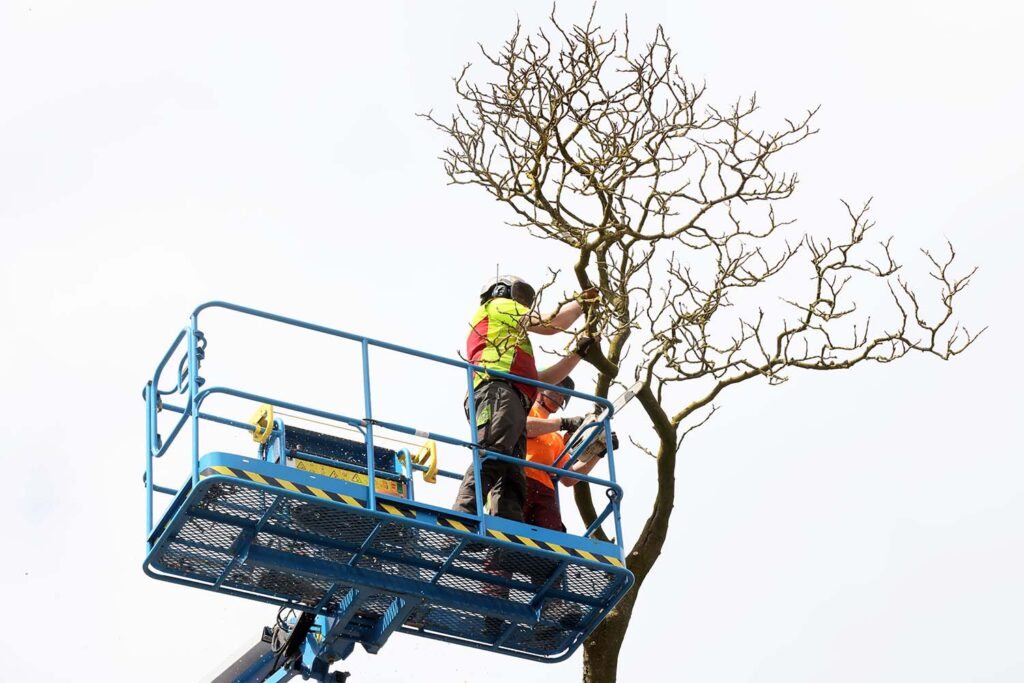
[610,453]
[193,389]
[279,425]
[151,418]
[408,473]
[149,462]
[471,403]
[371,496]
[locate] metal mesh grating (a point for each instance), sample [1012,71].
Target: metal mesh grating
[427,546]
[565,613]
[221,519]
[335,524]
[201,547]
[493,588]
[186,563]
[542,639]
[391,568]
[300,589]
[268,539]
[589,582]
[235,500]
[463,624]
[376,605]
[402,543]
[433,545]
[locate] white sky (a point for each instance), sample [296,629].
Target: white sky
[853,527]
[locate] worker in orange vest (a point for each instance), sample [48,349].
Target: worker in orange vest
[546,441]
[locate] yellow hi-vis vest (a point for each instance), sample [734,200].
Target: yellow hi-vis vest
[498,341]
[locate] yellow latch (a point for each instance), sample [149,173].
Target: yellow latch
[427,455]
[263,419]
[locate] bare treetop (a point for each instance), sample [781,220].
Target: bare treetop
[610,150]
[593,142]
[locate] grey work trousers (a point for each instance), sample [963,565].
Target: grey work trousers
[501,426]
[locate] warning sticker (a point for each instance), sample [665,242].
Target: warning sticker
[387,486]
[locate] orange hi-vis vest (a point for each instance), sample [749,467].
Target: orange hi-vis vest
[543,450]
[498,341]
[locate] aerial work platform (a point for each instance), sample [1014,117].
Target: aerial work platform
[330,526]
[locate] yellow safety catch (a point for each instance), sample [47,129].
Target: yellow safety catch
[263,419]
[427,456]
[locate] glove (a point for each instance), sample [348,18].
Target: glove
[570,424]
[597,449]
[589,296]
[583,345]
[615,445]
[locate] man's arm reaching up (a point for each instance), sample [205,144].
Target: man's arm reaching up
[562,319]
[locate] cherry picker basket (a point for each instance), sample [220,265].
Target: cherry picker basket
[330,525]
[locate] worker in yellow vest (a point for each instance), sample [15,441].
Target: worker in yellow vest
[499,340]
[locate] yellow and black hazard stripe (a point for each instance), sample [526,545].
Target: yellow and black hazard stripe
[561,550]
[281,484]
[395,510]
[303,488]
[532,542]
[449,522]
[456,524]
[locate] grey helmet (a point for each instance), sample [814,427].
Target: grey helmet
[570,385]
[561,399]
[508,287]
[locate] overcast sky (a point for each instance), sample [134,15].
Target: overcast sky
[849,527]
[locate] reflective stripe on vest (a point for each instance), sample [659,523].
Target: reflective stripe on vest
[498,341]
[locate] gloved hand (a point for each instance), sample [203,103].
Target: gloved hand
[589,296]
[583,345]
[570,424]
[596,449]
[615,445]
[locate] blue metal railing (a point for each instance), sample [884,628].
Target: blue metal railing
[192,414]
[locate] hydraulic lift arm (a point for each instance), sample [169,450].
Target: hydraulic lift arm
[287,649]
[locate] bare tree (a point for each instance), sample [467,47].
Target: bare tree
[670,205]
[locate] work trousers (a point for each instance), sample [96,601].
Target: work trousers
[542,506]
[501,427]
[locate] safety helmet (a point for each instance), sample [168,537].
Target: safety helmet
[508,287]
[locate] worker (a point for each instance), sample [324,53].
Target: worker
[499,340]
[547,436]
[546,442]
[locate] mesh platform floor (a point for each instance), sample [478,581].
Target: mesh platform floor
[310,554]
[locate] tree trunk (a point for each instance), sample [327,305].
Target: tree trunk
[600,662]
[601,650]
